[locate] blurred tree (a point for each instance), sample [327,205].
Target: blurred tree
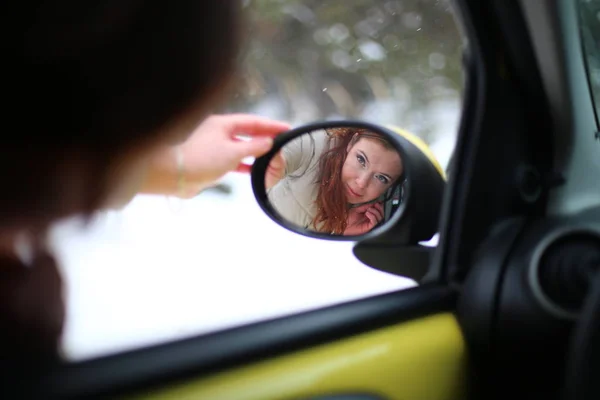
[388,61]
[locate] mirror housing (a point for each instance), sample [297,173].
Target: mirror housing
[417,216]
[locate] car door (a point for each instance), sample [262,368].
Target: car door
[402,345]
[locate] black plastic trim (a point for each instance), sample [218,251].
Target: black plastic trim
[409,261]
[445,258]
[151,367]
[499,136]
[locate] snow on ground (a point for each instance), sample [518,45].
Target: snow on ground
[163,269]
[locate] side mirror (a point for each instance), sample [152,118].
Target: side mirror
[352,180]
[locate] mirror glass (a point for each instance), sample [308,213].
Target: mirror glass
[338,181]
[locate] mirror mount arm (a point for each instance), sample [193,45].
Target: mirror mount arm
[402,260]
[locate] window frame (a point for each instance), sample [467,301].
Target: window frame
[594,91]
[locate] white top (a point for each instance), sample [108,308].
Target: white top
[293,197]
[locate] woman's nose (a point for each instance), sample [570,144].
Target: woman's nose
[362,181]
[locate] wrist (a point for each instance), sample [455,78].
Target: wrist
[168,175]
[185,188]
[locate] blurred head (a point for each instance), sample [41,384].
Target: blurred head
[359,167]
[93,86]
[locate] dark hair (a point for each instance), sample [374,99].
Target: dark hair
[332,207]
[94,79]
[100,78]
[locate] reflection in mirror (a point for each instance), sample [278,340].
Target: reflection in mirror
[338,181]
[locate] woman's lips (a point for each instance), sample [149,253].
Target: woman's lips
[353,193]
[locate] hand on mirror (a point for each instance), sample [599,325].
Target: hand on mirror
[211,151]
[363,218]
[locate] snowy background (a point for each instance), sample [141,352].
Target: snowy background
[163,269]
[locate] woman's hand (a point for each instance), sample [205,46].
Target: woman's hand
[363,218]
[214,150]
[211,151]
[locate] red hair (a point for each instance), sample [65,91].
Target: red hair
[332,206]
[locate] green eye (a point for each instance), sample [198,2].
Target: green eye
[382,179]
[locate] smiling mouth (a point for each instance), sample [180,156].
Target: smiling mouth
[353,193]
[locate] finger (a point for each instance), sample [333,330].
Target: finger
[244,168]
[372,218]
[277,162]
[361,209]
[252,125]
[377,213]
[254,148]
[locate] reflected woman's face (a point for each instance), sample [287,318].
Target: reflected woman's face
[369,170]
